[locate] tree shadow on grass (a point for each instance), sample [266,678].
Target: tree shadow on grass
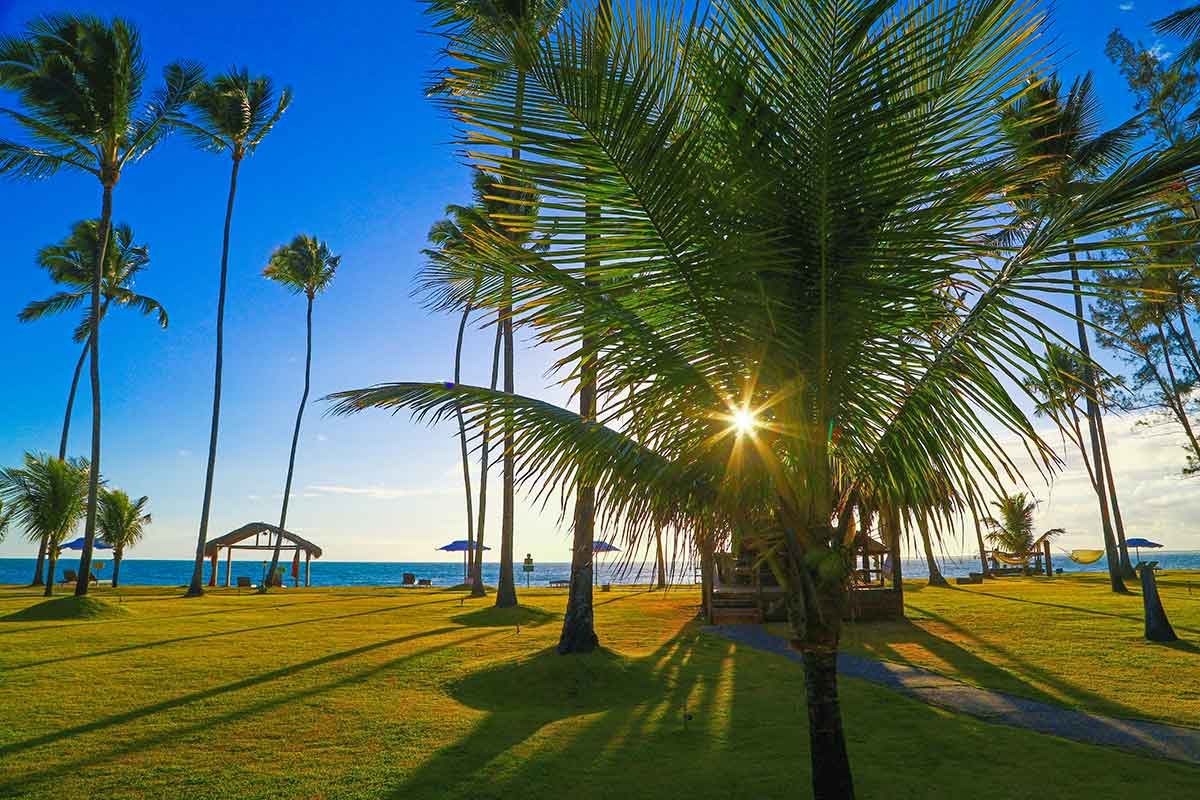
[492,617]
[606,693]
[239,714]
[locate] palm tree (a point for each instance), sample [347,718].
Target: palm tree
[786,196]
[1012,532]
[80,81]
[1184,23]
[72,262]
[122,524]
[306,266]
[1057,134]
[232,114]
[5,520]
[47,497]
[515,26]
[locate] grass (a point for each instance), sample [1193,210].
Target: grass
[1066,640]
[419,694]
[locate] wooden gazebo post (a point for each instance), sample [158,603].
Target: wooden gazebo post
[307,567]
[228,565]
[212,579]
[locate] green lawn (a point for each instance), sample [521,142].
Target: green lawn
[1067,640]
[416,694]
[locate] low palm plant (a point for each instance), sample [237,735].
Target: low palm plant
[787,189]
[122,524]
[47,496]
[231,114]
[305,266]
[1012,531]
[72,263]
[80,82]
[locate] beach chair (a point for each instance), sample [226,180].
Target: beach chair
[244,582]
[425,582]
[69,576]
[408,579]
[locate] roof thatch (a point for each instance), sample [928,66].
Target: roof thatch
[873,545]
[255,528]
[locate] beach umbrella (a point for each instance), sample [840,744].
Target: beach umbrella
[601,546]
[461,546]
[97,544]
[1138,544]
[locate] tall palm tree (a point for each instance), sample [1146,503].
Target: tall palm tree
[232,114]
[80,80]
[786,193]
[514,28]
[47,497]
[1184,23]
[6,515]
[1012,531]
[1059,135]
[72,262]
[305,266]
[122,524]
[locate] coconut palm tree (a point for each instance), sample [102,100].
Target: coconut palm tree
[1012,532]
[512,27]
[122,524]
[1184,23]
[305,266]
[80,83]
[231,114]
[786,193]
[1059,135]
[5,520]
[47,497]
[72,262]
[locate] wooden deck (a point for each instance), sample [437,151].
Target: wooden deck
[745,603]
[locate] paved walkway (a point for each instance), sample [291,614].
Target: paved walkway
[1146,738]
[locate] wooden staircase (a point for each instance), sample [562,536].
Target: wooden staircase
[736,610]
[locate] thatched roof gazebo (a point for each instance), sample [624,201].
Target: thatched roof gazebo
[264,539]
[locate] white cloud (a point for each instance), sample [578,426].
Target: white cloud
[1125,7]
[379,492]
[184,453]
[322,437]
[1159,53]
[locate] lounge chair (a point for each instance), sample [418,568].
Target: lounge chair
[425,582]
[244,582]
[408,579]
[69,576]
[560,584]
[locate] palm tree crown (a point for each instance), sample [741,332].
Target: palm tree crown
[234,112]
[1013,530]
[80,80]
[122,521]
[73,262]
[305,266]
[47,496]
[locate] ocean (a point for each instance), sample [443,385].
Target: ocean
[157,572]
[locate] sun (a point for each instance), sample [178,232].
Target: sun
[744,422]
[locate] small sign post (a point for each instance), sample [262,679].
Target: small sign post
[528,568]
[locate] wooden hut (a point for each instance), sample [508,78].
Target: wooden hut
[743,589]
[263,535]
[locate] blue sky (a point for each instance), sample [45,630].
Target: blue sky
[363,161]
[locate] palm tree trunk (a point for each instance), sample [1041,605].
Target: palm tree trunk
[579,632]
[116,568]
[462,439]
[660,563]
[89,530]
[51,564]
[287,486]
[982,548]
[197,585]
[41,562]
[506,586]
[935,574]
[477,589]
[1116,582]
[1122,547]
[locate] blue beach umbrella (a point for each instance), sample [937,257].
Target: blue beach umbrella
[601,546]
[97,544]
[461,546]
[1138,544]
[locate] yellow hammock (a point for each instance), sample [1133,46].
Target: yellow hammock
[1086,556]
[1016,560]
